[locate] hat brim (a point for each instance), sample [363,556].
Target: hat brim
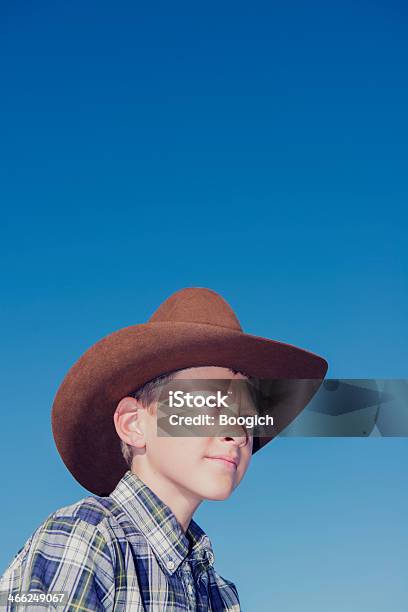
[82,412]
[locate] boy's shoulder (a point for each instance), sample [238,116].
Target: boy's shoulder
[100,520]
[86,518]
[91,509]
[88,515]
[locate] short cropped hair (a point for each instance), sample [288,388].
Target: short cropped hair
[147,395]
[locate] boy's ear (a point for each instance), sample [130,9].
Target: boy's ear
[128,420]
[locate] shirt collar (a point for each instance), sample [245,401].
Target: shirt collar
[160,527]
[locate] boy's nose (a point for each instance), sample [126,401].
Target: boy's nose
[240,440]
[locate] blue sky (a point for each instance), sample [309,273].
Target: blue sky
[256,149]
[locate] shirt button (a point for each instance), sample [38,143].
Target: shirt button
[170,565]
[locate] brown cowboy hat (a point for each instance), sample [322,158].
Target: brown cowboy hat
[193,327]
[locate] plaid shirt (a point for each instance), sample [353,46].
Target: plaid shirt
[124,552]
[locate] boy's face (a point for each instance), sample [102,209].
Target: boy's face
[202,467]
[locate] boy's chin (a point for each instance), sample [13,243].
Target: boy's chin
[217,494]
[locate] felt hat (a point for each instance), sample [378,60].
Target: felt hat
[194,327]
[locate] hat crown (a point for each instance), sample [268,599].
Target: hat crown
[196,305]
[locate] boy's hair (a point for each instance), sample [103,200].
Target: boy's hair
[147,395]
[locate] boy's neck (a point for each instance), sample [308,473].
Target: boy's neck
[181,502]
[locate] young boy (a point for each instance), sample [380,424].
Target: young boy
[133,545]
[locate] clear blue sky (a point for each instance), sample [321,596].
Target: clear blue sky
[257,149]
